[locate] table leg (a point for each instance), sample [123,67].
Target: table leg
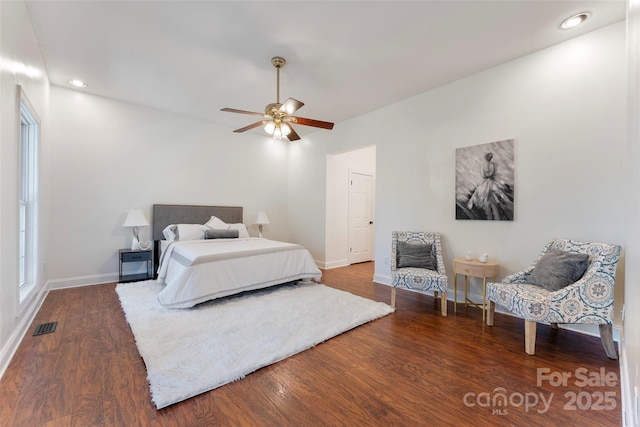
[466,284]
[455,292]
[484,294]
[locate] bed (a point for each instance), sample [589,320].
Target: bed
[199,270]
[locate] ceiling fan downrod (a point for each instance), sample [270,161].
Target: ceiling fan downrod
[278,62]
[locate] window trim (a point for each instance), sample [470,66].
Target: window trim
[28,184]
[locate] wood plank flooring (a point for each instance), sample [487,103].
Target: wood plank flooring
[411,368]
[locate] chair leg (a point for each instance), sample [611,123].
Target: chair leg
[530,337]
[435,294]
[490,312]
[554,325]
[393,297]
[443,304]
[606,335]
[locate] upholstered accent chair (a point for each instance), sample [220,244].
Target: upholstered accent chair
[409,270]
[587,300]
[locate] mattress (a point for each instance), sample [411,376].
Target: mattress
[196,271]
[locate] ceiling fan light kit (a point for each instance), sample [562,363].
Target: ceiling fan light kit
[277,117]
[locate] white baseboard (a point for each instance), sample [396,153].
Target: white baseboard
[333,264]
[587,329]
[28,313]
[583,328]
[382,279]
[627,395]
[74,282]
[26,316]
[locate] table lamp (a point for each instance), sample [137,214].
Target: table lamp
[135,219]
[261,220]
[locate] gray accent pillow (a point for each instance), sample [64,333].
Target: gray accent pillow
[420,255]
[557,269]
[221,234]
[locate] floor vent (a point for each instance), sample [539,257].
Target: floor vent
[45,328]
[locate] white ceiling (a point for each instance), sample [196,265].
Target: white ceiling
[344,58]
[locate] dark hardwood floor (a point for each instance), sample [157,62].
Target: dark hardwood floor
[410,368]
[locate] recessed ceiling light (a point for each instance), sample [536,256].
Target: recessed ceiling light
[77,83]
[574,20]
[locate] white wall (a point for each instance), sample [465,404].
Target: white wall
[108,157]
[564,107]
[339,166]
[20,64]
[307,193]
[630,344]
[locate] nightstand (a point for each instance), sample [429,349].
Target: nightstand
[139,256]
[473,268]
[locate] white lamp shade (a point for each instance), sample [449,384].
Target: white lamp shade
[277,133]
[269,127]
[285,129]
[135,218]
[262,218]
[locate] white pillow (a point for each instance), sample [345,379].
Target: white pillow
[176,232]
[217,224]
[169,232]
[242,229]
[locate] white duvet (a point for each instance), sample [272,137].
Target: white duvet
[195,271]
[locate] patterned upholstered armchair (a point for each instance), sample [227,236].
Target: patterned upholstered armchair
[416,278]
[588,300]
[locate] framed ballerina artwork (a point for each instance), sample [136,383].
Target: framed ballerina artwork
[485,181]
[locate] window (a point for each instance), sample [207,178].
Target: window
[28,191]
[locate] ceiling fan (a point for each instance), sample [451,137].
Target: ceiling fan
[277,118]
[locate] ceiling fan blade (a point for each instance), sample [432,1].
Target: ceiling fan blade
[233,110]
[291,105]
[293,135]
[311,122]
[251,126]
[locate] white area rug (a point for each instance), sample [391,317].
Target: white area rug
[190,351]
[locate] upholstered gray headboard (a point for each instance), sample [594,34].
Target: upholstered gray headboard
[164,215]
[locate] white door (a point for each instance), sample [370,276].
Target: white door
[360,217]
